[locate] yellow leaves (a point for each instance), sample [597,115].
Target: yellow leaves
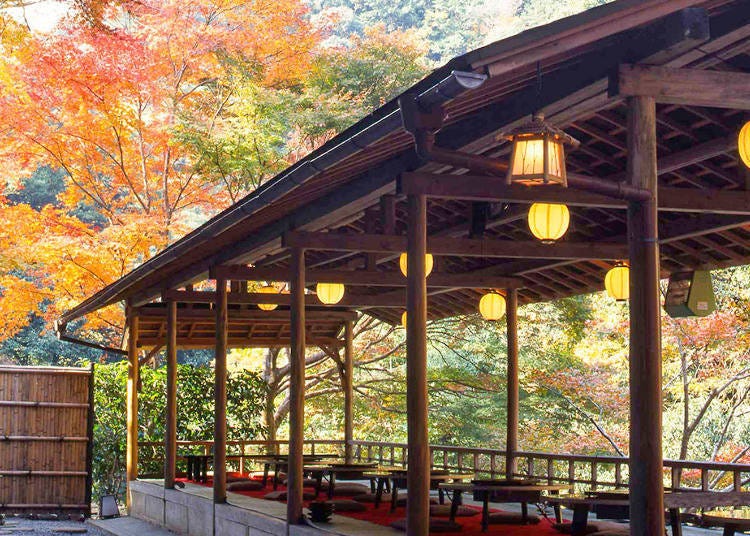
[19,300]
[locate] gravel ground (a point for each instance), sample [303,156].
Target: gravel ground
[22,527]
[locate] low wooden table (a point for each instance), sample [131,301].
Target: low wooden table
[395,479]
[487,493]
[350,471]
[731,520]
[280,462]
[197,466]
[673,501]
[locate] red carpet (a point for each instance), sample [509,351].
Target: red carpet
[470,526]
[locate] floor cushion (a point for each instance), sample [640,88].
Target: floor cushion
[512,518]
[444,510]
[281,495]
[350,489]
[245,485]
[591,527]
[612,532]
[370,498]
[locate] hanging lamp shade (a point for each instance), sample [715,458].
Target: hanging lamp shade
[403,319]
[743,144]
[548,221]
[329,293]
[492,306]
[538,153]
[428,263]
[617,282]
[268,289]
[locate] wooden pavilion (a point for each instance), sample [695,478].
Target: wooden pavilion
[655,91]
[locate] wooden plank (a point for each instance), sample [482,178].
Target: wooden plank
[475,188]
[646,485]
[131,453]
[512,396]
[365,278]
[460,247]
[692,87]
[254,298]
[418,470]
[204,342]
[348,388]
[170,438]
[220,394]
[296,390]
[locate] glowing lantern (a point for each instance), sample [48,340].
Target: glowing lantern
[428,263]
[492,306]
[617,282]
[548,222]
[268,289]
[743,144]
[538,153]
[403,319]
[329,293]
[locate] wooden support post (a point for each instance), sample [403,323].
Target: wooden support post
[646,480]
[296,387]
[418,476]
[131,454]
[220,394]
[348,388]
[170,436]
[511,442]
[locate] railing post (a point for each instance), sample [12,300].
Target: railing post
[550,470]
[594,475]
[572,472]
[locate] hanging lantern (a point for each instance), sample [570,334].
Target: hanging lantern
[403,319]
[548,221]
[268,289]
[743,144]
[538,153]
[492,306]
[617,282]
[428,263]
[329,293]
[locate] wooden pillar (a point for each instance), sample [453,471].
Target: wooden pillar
[511,442]
[220,395]
[296,387]
[131,453]
[418,506]
[348,388]
[170,436]
[646,484]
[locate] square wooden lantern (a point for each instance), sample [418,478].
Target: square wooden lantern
[538,153]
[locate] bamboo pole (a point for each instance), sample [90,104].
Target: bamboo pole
[646,484]
[511,442]
[131,454]
[418,471]
[348,388]
[170,438]
[220,395]
[296,387]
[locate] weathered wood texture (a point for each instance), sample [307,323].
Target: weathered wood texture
[646,481]
[511,443]
[696,87]
[220,395]
[45,439]
[170,438]
[131,403]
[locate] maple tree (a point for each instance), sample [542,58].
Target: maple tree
[110,105]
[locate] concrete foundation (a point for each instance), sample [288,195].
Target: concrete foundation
[191,512]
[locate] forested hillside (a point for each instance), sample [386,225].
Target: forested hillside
[135,121]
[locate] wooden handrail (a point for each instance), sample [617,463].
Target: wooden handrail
[576,469]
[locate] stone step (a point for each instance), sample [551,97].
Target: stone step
[128,526]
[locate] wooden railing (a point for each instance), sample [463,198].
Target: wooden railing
[589,472]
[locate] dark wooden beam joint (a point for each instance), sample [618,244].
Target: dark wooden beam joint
[693,87]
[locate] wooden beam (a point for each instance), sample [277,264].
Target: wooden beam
[204,342]
[296,390]
[254,298]
[131,450]
[418,505]
[170,435]
[365,278]
[692,87]
[511,441]
[347,387]
[220,394]
[237,315]
[460,247]
[477,188]
[646,482]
